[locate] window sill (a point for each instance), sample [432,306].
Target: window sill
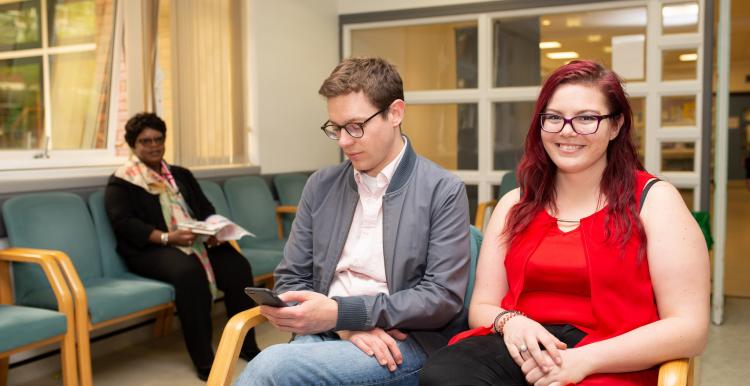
[68,178]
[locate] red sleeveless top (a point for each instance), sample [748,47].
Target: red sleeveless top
[621,293]
[557,289]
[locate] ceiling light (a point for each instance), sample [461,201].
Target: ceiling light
[548,45]
[563,55]
[546,22]
[573,22]
[608,49]
[679,15]
[688,57]
[593,38]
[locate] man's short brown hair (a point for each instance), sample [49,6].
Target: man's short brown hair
[377,78]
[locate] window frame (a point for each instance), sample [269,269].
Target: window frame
[33,163]
[485,95]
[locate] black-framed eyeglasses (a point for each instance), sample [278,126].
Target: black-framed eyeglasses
[581,124]
[154,141]
[354,129]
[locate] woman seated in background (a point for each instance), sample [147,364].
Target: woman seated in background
[145,199]
[593,272]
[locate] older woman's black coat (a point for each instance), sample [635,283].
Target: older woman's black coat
[134,213]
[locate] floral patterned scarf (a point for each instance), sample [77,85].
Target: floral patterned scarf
[174,209]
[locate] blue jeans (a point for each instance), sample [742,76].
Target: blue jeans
[325,359]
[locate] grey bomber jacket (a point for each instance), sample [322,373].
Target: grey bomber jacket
[425,245]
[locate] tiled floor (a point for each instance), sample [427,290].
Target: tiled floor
[164,361]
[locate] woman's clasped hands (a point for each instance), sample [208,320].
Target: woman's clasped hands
[556,365]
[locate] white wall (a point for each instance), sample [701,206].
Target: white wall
[359,6]
[293,46]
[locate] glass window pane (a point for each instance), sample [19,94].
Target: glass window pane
[472,192]
[21,104]
[613,37]
[496,191]
[687,196]
[428,57]
[20,25]
[639,126]
[75,21]
[678,156]
[679,18]
[79,101]
[516,56]
[679,64]
[512,121]
[444,133]
[80,81]
[678,111]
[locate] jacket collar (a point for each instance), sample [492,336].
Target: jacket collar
[402,173]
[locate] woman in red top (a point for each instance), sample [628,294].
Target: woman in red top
[582,277]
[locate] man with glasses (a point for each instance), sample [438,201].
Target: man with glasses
[376,265]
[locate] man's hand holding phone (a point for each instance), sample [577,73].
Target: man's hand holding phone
[313,314]
[264,297]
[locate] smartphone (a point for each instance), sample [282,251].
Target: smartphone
[265,297]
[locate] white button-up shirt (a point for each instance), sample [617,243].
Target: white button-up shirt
[361,269]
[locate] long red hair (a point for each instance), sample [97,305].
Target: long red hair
[536,171]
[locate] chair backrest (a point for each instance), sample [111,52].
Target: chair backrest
[213,192]
[476,243]
[289,186]
[252,206]
[55,220]
[112,263]
[507,183]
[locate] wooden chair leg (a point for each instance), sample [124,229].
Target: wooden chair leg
[163,323]
[68,360]
[83,345]
[168,320]
[4,371]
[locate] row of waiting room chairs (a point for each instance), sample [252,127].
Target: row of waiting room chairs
[68,279]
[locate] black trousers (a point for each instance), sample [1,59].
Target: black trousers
[192,293]
[484,360]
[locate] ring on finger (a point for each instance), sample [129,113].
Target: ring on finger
[522,348]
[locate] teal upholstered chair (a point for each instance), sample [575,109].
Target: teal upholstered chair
[475,242]
[26,328]
[253,208]
[104,292]
[507,183]
[289,187]
[215,195]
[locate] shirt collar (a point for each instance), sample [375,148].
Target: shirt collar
[384,177]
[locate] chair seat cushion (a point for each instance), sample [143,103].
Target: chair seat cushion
[263,261]
[270,244]
[109,298]
[20,325]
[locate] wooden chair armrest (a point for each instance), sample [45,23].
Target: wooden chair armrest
[51,270]
[72,279]
[678,372]
[286,209]
[481,212]
[235,245]
[281,210]
[232,338]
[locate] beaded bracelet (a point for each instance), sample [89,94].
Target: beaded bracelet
[503,318]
